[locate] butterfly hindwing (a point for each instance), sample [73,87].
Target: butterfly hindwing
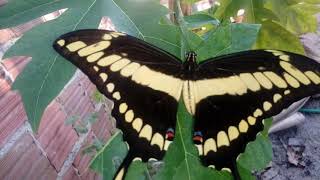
[132,74]
[238,91]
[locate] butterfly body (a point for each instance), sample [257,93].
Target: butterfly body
[190,65]
[228,96]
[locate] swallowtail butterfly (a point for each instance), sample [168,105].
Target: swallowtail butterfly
[228,96]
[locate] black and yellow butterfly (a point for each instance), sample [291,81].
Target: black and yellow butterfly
[228,96]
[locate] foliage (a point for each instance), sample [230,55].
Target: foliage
[47,73]
[109,158]
[281,21]
[97,97]
[81,125]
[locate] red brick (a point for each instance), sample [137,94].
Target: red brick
[86,107]
[10,159]
[5,34]
[103,126]
[90,89]
[87,85]
[8,102]
[68,91]
[12,115]
[90,175]
[74,100]
[56,138]
[84,80]
[42,170]
[82,160]
[4,87]
[15,65]
[25,161]
[71,174]
[10,123]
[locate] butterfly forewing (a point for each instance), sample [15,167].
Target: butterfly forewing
[234,93]
[140,79]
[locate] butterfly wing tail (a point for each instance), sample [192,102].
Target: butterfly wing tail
[123,169]
[234,171]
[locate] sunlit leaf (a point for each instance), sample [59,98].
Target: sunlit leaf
[274,36]
[296,16]
[228,39]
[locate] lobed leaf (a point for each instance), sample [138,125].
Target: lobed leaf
[47,73]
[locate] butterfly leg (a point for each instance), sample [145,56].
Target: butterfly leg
[234,170]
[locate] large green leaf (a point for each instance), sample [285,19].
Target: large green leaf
[201,23]
[228,39]
[257,153]
[182,161]
[16,12]
[274,36]
[281,20]
[47,73]
[254,10]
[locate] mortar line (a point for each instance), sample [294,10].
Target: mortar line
[7,74]
[73,153]
[11,141]
[35,140]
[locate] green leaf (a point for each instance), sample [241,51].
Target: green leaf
[281,20]
[182,160]
[254,10]
[132,18]
[89,149]
[201,23]
[219,11]
[97,97]
[45,76]
[80,129]
[92,118]
[274,36]
[97,144]
[109,158]
[16,12]
[296,16]
[228,39]
[197,20]
[138,171]
[257,153]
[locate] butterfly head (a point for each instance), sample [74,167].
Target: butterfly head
[191,56]
[190,64]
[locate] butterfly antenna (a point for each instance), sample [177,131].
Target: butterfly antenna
[123,169]
[234,170]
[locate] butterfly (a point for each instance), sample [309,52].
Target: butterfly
[228,96]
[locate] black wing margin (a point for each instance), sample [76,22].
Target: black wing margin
[238,91]
[130,72]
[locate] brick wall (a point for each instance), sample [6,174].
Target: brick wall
[56,150]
